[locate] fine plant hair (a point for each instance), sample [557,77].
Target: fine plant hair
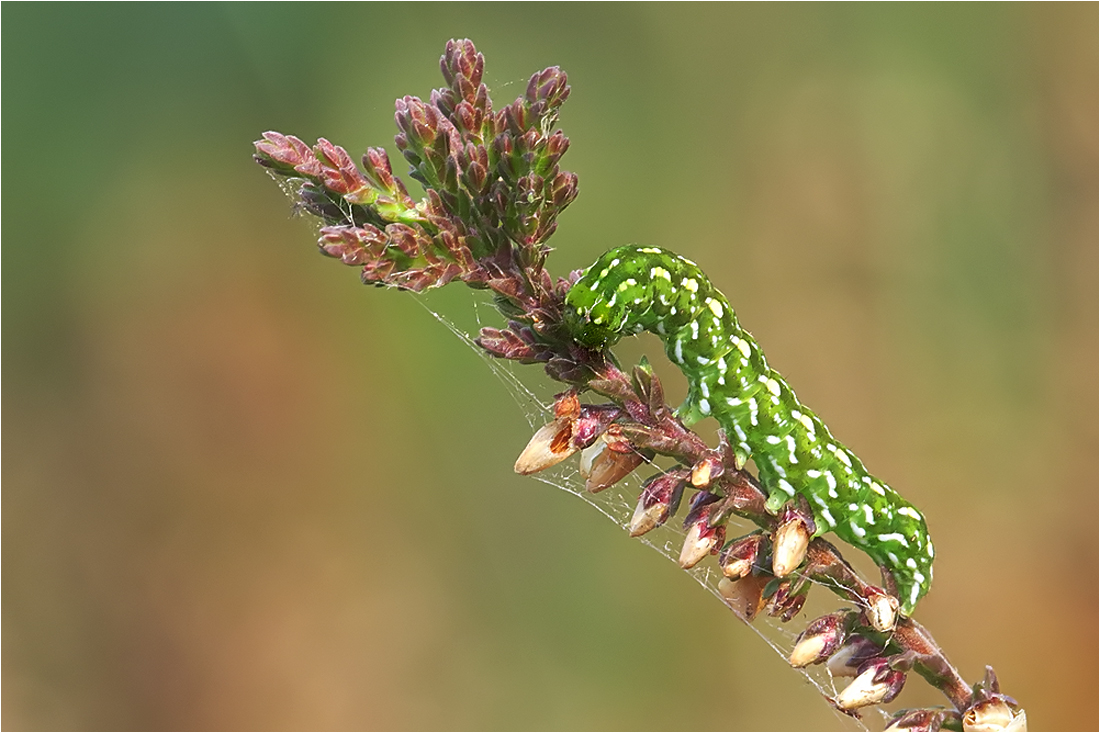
[493,193]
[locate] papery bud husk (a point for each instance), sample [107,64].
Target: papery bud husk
[603,466]
[744,596]
[550,445]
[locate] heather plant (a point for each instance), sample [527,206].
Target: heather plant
[493,190]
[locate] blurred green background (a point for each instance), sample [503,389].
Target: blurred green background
[243,491]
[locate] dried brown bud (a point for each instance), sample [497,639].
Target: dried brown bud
[745,596]
[787,601]
[706,470]
[603,466]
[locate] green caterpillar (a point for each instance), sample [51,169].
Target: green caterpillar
[633,289]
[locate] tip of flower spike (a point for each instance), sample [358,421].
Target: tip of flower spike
[550,445]
[875,684]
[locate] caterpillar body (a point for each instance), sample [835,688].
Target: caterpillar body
[633,289]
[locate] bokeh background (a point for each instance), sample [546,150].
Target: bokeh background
[242,491]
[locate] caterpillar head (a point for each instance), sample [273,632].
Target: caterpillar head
[598,305]
[593,325]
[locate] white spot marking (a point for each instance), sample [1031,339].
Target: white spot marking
[894,537]
[909,512]
[786,487]
[859,531]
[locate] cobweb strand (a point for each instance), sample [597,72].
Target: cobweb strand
[617,504]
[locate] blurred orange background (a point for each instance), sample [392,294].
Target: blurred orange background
[242,491]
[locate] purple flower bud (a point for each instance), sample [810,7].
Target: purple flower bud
[352,245]
[875,683]
[821,639]
[787,601]
[702,538]
[290,151]
[846,661]
[740,555]
[659,500]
